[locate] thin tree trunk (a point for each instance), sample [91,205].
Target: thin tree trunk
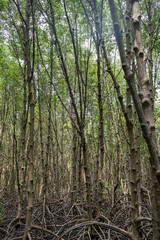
[31,102]
[41,128]
[74,165]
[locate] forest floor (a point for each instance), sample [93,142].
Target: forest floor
[59,219]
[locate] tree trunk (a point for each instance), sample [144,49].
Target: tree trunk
[146,95]
[144,110]
[31,103]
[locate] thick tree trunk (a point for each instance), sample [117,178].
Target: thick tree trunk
[144,110]
[146,95]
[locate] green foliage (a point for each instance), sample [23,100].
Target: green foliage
[157,114]
[109,187]
[3,4]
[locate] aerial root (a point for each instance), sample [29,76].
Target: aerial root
[99,224]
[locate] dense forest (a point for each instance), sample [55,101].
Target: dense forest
[79,119]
